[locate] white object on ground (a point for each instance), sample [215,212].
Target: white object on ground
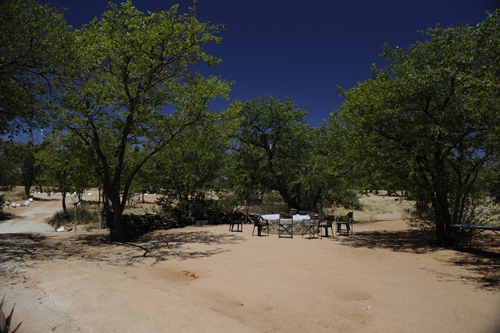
[89,194]
[60,229]
[30,199]
[296,217]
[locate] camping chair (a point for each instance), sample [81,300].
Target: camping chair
[259,222]
[326,223]
[285,225]
[310,226]
[348,221]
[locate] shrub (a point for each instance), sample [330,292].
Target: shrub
[84,214]
[343,198]
[200,208]
[14,194]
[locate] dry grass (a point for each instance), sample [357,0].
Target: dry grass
[488,214]
[139,209]
[88,216]
[374,206]
[17,194]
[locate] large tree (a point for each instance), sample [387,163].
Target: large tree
[276,150]
[429,120]
[127,68]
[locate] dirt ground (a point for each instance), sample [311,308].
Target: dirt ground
[207,279]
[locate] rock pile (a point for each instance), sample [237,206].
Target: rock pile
[138,225]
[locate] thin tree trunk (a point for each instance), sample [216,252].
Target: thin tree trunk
[65,210]
[27,190]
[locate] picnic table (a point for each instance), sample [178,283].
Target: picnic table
[473,227]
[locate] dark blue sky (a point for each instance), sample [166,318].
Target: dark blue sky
[303,49]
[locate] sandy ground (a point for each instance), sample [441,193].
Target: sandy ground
[206,279]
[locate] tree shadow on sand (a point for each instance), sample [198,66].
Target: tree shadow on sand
[4,216]
[23,250]
[45,199]
[484,264]
[482,260]
[400,241]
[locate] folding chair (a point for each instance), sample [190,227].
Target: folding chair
[310,226]
[285,225]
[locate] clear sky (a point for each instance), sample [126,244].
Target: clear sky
[304,49]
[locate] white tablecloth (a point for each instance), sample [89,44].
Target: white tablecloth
[296,217]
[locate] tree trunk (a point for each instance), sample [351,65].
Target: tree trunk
[65,210]
[27,190]
[444,234]
[115,221]
[119,233]
[440,202]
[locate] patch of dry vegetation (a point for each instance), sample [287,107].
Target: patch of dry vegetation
[139,209]
[488,214]
[87,217]
[375,205]
[16,194]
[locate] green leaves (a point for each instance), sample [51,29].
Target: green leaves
[119,73]
[428,122]
[277,150]
[32,36]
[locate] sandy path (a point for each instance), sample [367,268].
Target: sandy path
[206,279]
[32,219]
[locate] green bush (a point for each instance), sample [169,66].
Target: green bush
[200,208]
[343,198]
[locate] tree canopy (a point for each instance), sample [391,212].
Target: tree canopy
[277,150]
[122,71]
[32,39]
[430,118]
